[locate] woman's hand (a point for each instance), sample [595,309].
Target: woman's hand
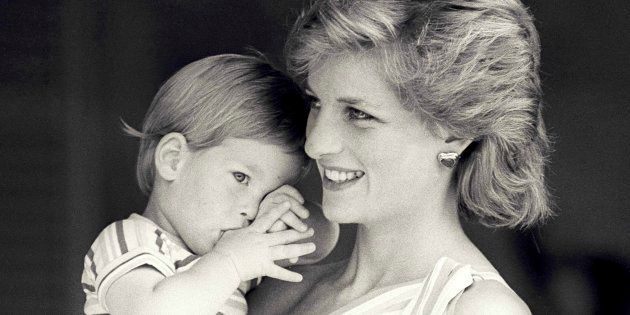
[292,218]
[253,251]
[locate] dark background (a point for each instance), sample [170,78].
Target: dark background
[71,69]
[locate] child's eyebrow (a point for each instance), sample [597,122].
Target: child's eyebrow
[253,168]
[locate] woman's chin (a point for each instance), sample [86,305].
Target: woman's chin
[339,214]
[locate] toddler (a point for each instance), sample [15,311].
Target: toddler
[220,141]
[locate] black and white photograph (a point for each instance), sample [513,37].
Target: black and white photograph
[315,157]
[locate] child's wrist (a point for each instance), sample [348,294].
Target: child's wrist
[217,261]
[237,266]
[229,260]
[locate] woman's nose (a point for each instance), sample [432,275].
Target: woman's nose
[322,136]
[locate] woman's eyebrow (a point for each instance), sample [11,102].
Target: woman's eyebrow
[308,89]
[309,92]
[355,101]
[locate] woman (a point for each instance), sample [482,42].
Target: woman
[421,111]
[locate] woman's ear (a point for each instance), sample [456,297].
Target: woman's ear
[453,144]
[457,145]
[170,155]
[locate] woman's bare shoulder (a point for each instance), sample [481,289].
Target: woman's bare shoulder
[490,297]
[274,296]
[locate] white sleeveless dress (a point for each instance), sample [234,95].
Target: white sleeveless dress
[436,294]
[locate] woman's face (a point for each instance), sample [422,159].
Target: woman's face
[377,160]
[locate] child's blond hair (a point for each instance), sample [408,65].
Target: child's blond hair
[218,97]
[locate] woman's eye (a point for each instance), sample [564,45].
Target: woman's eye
[355,114]
[313,102]
[241,178]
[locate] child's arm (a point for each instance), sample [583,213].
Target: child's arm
[303,214]
[203,288]
[239,255]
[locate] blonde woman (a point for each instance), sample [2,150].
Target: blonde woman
[422,111]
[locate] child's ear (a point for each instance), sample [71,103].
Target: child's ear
[170,155]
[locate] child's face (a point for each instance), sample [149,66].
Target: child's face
[220,188]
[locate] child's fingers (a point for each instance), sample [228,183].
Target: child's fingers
[291,251]
[299,209]
[287,236]
[291,191]
[290,219]
[278,226]
[283,274]
[296,205]
[263,223]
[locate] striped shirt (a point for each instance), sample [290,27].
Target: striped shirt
[137,241]
[436,294]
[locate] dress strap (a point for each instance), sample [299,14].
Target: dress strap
[444,282]
[489,275]
[444,285]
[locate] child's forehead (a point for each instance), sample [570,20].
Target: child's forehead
[259,155]
[255,147]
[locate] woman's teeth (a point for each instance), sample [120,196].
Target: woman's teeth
[339,177]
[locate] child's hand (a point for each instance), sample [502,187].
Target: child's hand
[291,218]
[253,250]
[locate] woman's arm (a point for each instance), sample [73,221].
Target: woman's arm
[490,297]
[286,295]
[325,237]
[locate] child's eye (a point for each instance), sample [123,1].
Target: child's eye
[355,114]
[241,178]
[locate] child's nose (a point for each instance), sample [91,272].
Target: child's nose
[249,213]
[247,220]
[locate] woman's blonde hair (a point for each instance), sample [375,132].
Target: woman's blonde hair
[218,97]
[468,66]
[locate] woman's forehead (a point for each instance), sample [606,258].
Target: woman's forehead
[347,73]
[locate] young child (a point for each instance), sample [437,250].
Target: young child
[220,140]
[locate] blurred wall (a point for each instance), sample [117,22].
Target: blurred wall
[71,69]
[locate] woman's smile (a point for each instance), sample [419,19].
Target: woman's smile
[374,156]
[335,178]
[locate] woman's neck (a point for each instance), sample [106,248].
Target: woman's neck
[400,249]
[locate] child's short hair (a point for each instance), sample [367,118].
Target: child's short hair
[218,97]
